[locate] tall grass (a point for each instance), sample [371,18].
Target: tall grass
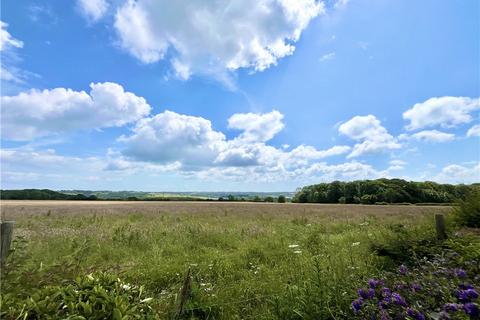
[256,266]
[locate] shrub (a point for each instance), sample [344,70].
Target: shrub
[467,213]
[281,199]
[94,296]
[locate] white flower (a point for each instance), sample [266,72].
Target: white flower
[146,300]
[293,246]
[297,251]
[126,287]
[355,244]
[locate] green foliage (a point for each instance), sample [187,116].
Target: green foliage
[382,191]
[281,199]
[467,212]
[94,296]
[44,194]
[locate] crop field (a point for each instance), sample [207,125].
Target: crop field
[246,260]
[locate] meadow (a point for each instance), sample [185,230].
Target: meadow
[245,260]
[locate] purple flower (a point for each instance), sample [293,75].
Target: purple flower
[366,294]
[357,305]
[402,270]
[386,292]
[384,316]
[415,314]
[444,316]
[374,283]
[460,273]
[398,299]
[471,309]
[385,302]
[450,307]
[463,296]
[466,286]
[471,293]
[416,287]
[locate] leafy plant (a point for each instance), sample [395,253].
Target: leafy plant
[467,212]
[93,296]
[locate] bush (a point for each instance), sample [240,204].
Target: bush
[467,213]
[94,296]
[281,199]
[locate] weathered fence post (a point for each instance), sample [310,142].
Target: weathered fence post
[184,294]
[440,226]
[6,233]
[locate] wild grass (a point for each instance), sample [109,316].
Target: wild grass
[247,262]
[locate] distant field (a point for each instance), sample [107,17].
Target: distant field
[11,209]
[248,260]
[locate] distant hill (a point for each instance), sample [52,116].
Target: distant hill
[382,191]
[46,194]
[41,194]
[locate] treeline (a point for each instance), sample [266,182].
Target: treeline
[230,197]
[41,194]
[383,191]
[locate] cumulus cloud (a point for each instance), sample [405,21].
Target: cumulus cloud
[169,136]
[257,127]
[429,136]
[442,111]
[474,131]
[8,46]
[456,173]
[213,37]
[36,113]
[93,10]
[372,136]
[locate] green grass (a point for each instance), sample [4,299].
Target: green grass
[255,266]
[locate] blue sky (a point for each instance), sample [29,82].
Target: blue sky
[237,95]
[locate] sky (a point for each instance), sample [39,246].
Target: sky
[237,95]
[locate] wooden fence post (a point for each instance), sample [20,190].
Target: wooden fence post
[440,227]
[184,294]
[6,233]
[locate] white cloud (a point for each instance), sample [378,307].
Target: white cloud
[372,136]
[93,10]
[455,173]
[36,113]
[429,136]
[327,56]
[212,37]
[442,111]
[6,39]
[474,131]
[169,136]
[257,127]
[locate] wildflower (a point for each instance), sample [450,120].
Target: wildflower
[466,286]
[374,283]
[472,310]
[471,293]
[416,287]
[398,299]
[415,314]
[450,307]
[293,246]
[443,316]
[386,292]
[357,305]
[297,251]
[385,302]
[402,270]
[355,244]
[460,273]
[366,294]
[462,296]
[146,300]
[384,316]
